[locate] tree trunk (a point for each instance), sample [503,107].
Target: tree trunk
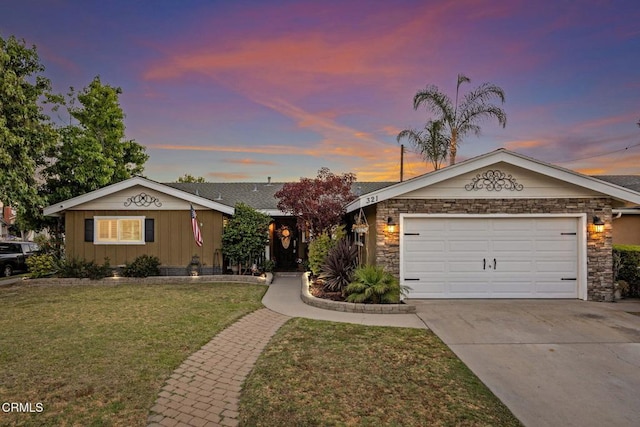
[453,147]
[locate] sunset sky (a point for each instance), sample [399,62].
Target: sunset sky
[242,90]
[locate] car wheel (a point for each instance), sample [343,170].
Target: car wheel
[7,271]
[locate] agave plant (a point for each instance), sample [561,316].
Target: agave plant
[375,285]
[337,270]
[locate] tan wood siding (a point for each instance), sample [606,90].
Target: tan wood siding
[174,244]
[626,230]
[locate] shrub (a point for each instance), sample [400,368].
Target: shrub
[72,267]
[627,268]
[318,251]
[374,285]
[337,270]
[143,266]
[97,272]
[81,269]
[41,265]
[269,265]
[245,236]
[320,246]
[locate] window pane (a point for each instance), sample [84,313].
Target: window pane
[107,229]
[130,230]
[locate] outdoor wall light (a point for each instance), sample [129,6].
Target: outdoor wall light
[598,224]
[391,226]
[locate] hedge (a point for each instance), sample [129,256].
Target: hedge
[629,267]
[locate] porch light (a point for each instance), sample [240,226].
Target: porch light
[598,224]
[391,226]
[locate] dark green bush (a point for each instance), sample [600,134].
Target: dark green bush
[337,270]
[143,266]
[72,267]
[81,269]
[97,272]
[628,269]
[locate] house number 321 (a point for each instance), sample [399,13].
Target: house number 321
[371,199]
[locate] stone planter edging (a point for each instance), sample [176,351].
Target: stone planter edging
[152,280]
[351,307]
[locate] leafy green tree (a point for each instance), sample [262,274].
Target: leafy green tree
[26,133]
[430,142]
[460,119]
[245,236]
[190,178]
[93,151]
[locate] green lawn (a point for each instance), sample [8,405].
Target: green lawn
[316,373]
[98,355]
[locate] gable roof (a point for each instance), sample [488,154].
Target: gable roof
[501,155]
[54,210]
[218,196]
[632,182]
[258,195]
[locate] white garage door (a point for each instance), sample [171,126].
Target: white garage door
[490,257]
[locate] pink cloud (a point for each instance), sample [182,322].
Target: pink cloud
[249,162]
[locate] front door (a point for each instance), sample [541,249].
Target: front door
[285,246]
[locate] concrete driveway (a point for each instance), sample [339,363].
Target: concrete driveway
[553,363]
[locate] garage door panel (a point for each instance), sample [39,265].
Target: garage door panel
[532,256]
[556,224]
[556,266]
[425,246]
[513,245]
[511,266]
[560,245]
[424,268]
[559,288]
[472,247]
[465,266]
[454,225]
[465,286]
[510,225]
[511,289]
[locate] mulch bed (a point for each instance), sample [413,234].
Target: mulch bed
[316,288]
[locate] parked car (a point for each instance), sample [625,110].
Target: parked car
[13,256]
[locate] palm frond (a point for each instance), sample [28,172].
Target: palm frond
[435,101]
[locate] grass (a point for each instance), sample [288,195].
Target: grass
[316,373]
[98,355]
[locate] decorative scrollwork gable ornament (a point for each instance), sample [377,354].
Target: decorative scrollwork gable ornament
[493,180]
[143,200]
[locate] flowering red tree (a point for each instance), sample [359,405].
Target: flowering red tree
[318,203]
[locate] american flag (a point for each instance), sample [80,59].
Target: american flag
[196,228]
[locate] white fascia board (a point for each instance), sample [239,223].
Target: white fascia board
[54,210]
[489,159]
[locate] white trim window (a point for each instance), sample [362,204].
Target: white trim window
[119,230]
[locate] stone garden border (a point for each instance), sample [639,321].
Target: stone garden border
[151,280]
[351,307]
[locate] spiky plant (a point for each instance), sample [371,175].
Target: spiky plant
[374,285]
[337,270]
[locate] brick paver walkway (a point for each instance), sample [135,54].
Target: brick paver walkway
[205,389]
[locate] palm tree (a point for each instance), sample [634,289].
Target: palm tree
[462,119]
[430,141]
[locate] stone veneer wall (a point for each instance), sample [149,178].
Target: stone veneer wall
[599,246]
